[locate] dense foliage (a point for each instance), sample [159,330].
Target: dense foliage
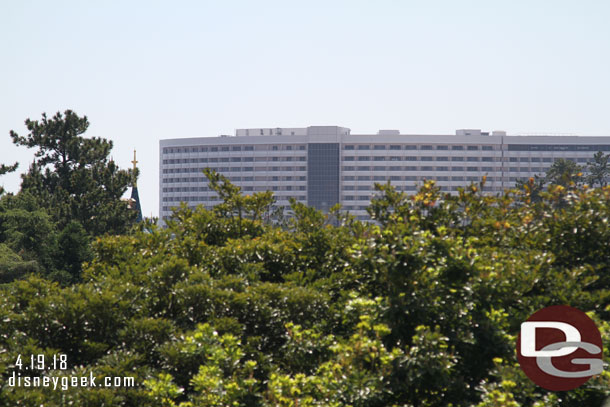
[235,306]
[70,194]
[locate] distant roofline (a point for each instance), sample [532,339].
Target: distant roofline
[291,134]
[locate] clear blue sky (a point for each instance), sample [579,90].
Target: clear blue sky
[146,70]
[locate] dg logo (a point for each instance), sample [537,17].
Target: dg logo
[559,348]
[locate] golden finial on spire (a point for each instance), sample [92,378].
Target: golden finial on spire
[134,162]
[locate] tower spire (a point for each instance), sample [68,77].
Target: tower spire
[134,162]
[135,197]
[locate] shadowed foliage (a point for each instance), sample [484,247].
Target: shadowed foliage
[228,306]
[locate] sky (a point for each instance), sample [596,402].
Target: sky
[142,71]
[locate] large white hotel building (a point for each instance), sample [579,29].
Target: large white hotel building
[325,165]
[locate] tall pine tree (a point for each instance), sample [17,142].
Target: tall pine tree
[73,177]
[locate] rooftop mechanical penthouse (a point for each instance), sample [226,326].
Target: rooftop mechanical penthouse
[325,165]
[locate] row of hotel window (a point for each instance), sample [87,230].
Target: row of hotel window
[231,169]
[289,147]
[345,178]
[456,147]
[417,178]
[462,158]
[369,158]
[409,188]
[381,168]
[213,198]
[258,179]
[444,168]
[245,188]
[416,147]
[292,147]
[345,187]
[424,178]
[360,168]
[231,159]
[214,149]
[202,198]
[168,208]
[440,178]
[471,147]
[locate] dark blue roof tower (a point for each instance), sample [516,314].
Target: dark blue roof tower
[135,197]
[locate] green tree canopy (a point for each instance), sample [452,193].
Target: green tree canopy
[4,169]
[73,177]
[599,170]
[70,195]
[564,172]
[420,308]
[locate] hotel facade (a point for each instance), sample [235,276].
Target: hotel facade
[325,165]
